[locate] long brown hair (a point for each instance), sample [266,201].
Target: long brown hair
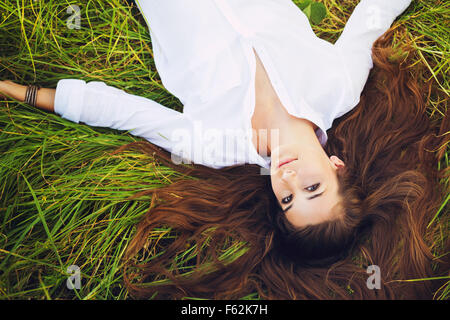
[390,187]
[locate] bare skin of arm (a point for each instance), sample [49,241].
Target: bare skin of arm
[45,96]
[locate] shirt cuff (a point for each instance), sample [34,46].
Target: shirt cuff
[69,97]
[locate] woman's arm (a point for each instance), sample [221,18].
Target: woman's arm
[97,104]
[100,105]
[369,20]
[44,100]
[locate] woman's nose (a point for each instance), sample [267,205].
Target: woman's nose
[287,175]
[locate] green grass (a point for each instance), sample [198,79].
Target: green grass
[62,198]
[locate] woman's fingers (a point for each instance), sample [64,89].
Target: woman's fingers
[4,88]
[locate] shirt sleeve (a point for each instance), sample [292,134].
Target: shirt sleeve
[369,20]
[98,104]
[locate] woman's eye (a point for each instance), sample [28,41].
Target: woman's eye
[314,187]
[287,199]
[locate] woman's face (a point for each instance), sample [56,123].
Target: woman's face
[305,183]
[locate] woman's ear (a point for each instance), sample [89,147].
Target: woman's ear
[337,162]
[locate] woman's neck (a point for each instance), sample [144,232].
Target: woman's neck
[270,118]
[274,126]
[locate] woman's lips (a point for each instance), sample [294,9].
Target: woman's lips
[282,163]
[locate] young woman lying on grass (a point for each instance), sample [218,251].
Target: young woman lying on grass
[327,163]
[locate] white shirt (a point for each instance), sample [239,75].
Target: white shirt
[203,52]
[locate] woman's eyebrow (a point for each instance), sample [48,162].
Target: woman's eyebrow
[316,195]
[284,211]
[312,197]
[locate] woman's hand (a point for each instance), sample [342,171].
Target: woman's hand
[4,88]
[12,90]
[44,99]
